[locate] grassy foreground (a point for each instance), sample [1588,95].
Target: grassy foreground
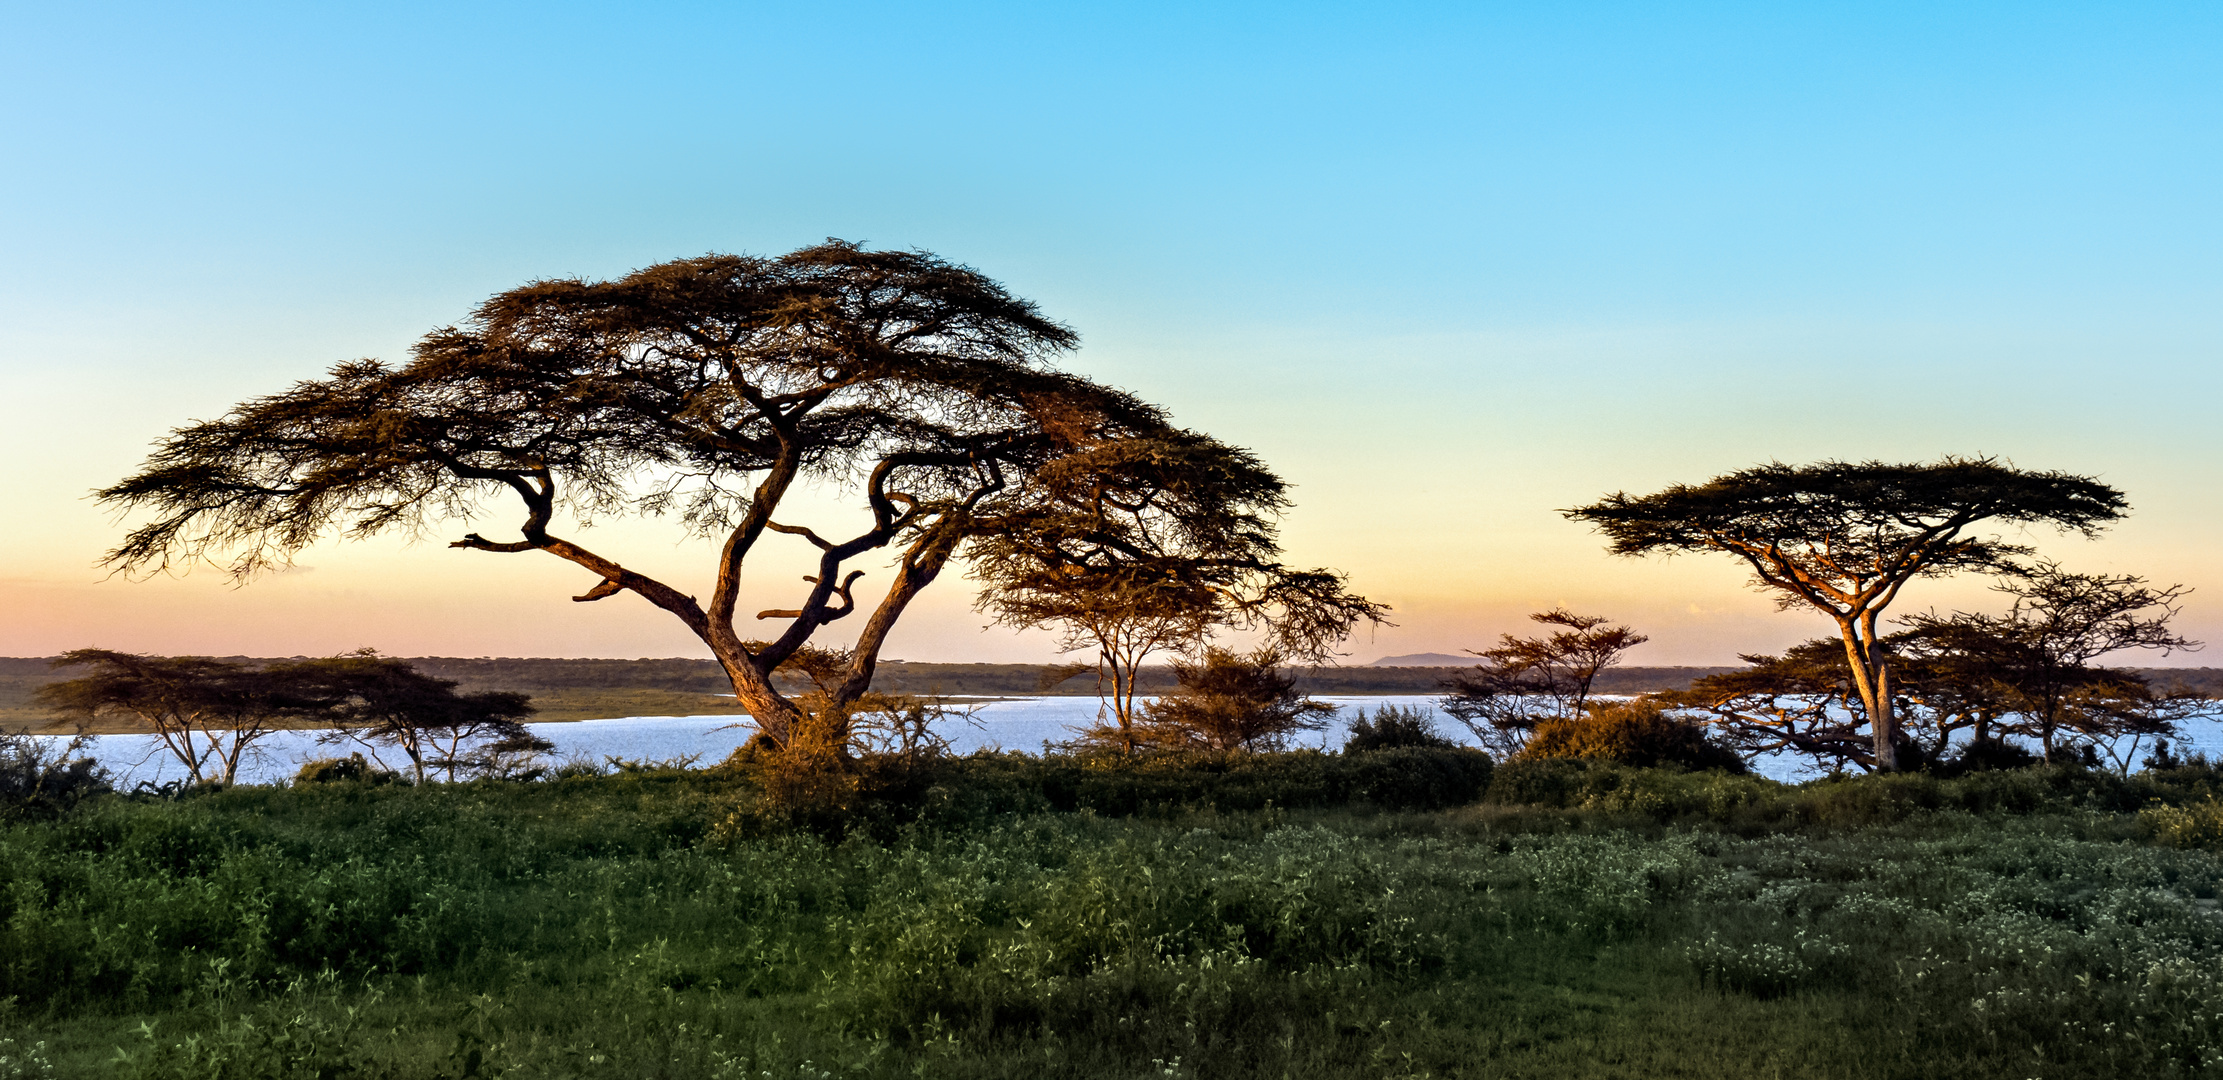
[1003,922]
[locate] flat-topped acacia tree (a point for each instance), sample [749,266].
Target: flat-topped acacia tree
[702,390]
[1844,538]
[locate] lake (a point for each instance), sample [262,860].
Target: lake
[1009,724]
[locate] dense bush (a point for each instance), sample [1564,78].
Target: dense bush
[1120,786]
[1392,727]
[41,777]
[1637,733]
[336,769]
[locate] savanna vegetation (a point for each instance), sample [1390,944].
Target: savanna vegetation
[1395,912]
[2003,869]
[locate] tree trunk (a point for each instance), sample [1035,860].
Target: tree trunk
[1883,721]
[1872,678]
[774,715]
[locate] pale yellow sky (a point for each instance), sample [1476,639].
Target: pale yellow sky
[1435,497]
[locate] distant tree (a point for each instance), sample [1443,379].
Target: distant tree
[705,389]
[1526,680]
[1227,701]
[1123,625]
[207,713]
[380,701]
[1844,538]
[1149,545]
[2040,653]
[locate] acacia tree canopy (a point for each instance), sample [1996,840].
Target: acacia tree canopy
[382,701]
[702,389]
[1844,538]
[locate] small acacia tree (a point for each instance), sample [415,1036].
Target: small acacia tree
[1151,544]
[2040,653]
[1527,680]
[1845,538]
[207,713]
[1230,701]
[704,389]
[380,701]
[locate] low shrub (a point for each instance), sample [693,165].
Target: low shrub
[338,770]
[1117,785]
[2193,825]
[1987,755]
[1416,777]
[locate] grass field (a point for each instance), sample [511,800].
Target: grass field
[1001,922]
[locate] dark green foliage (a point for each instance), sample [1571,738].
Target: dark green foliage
[1415,777]
[1980,754]
[606,926]
[1119,786]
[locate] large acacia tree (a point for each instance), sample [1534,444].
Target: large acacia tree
[703,389]
[1843,538]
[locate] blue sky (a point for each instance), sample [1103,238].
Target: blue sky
[1447,268]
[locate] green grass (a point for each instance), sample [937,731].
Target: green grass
[1014,919]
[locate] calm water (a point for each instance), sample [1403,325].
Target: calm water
[1012,724]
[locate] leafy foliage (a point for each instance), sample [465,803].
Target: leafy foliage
[1999,925]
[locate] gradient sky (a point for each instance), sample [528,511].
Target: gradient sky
[1448,268]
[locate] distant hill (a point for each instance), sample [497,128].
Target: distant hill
[1426,659]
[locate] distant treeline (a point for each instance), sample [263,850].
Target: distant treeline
[994,680]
